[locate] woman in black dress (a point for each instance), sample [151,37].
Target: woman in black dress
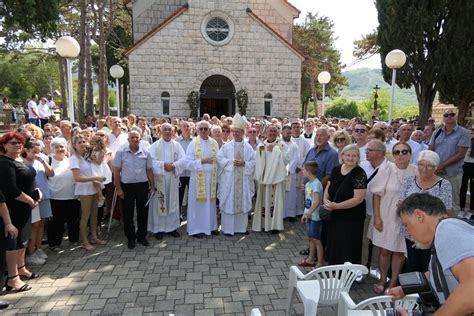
[18,186]
[345,197]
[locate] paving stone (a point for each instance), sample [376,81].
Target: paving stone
[95,303]
[233,307]
[213,302]
[193,299]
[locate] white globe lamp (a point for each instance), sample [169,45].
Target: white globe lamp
[323,78]
[394,60]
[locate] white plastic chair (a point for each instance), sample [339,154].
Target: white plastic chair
[322,286]
[255,312]
[375,304]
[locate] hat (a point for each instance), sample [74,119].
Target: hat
[238,122]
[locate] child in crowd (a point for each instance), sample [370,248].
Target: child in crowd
[313,198]
[99,166]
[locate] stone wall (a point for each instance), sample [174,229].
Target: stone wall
[271,12]
[178,58]
[147,14]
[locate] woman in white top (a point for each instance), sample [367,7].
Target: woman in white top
[82,172]
[64,203]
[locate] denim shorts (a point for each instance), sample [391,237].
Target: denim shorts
[314,229]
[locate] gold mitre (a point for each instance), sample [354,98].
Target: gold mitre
[239,122]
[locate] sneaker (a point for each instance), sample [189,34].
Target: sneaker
[34,260]
[40,253]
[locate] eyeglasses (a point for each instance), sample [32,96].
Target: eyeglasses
[203,128]
[340,139]
[400,152]
[449,114]
[359,130]
[252,132]
[427,167]
[15,143]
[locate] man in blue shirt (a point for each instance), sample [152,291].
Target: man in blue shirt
[326,157]
[451,143]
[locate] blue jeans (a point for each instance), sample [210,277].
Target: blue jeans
[34,121]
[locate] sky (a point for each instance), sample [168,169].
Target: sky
[352,19]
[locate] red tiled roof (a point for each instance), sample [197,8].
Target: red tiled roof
[158,28]
[274,32]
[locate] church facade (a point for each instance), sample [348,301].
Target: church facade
[217,48]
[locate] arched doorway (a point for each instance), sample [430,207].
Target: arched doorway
[217,96]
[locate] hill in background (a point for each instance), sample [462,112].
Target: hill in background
[362,82]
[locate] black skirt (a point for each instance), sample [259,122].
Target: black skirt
[344,241]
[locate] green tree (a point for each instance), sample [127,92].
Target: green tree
[315,38]
[366,107]
[28,19]
[415,27]
[343,108]
[436,37]
[456,76]
[21,77]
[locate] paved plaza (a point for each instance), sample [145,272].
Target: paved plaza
[217,275]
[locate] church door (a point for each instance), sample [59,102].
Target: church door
[217,96]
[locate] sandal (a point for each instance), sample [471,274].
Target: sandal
[25,287]
[88,247]
[378,289]
[305,263]
[98,241]
[25,277]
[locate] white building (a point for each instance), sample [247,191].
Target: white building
[216,47]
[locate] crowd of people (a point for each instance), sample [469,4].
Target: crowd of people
[344,178]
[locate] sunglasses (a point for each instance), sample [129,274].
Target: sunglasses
[400,152]
[449,114]
[340,139]
[203,128]
[15,143]
[359,130]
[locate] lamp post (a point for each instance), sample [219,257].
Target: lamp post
[67,47]
[116,71]
[394,60]
[323,78]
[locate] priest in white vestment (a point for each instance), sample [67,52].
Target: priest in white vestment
[270,172]
[168,163]
[291,189]
[236,161]
[303,146]
[201,160]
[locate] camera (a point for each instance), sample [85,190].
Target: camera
[394,312]
[416,283]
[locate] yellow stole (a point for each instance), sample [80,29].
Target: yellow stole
[200,178]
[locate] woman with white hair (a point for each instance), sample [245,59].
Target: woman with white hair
[345,198]
[426,182]
[216,134]
[64,203]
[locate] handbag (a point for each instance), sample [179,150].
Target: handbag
[325,214]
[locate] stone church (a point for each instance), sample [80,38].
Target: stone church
[216,48]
